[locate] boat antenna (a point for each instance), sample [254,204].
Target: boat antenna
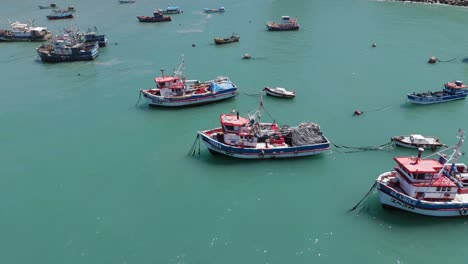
[183,69]
[162,72]
[456,150]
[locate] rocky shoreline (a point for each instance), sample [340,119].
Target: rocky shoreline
[443,2]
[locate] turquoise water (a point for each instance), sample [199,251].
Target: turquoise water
[87,177]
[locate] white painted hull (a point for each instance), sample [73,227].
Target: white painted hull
[162,101]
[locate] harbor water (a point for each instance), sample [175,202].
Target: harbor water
[88,177]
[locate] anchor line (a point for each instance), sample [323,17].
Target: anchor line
[193,149]
[139,97]
[351,149]
[371,190]
[447,60]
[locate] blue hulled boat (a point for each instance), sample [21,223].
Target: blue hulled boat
[172,10]
[214,10]
[68,47]
[452,91]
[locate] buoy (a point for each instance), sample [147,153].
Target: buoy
[78,74]
[246,56]
[432,60]
[116,43]
[358,112]
[374,45]
[193,45]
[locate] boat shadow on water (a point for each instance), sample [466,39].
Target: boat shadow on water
[399,218]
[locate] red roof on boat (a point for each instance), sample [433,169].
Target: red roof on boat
[231,120]
[422,166]
[165,79]
[454,85]
[439,182]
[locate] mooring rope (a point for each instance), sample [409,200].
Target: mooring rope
[139,96]
[386,146]
[364,198]
[193,149]
[447,60]
[256,94]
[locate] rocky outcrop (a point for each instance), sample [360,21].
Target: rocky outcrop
[444,2]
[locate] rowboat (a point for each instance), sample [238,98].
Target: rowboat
[279,92]
[233,38]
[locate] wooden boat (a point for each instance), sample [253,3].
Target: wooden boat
[233,38]
[279,92]
[60,15]
[51,6]
[417,141]
[286,24]
[157,17]
[427,186]
[452,91]
[176,91]
[248,138]
[214,10]
[126,1]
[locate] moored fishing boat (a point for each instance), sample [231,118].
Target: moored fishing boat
[248,138]
[233,38]
[287,24]
[126,1]
[66,48]
[279,92]
[455,90]
[92,36]
[51,6]
[214,10]
[432,187]
[176,91]
[69,9]
[417,141]
[24,32]
[59,15]
[171,10]
[157,17]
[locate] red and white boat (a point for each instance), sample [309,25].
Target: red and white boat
[433,187]
[248,138]
[279,92]
[176,91]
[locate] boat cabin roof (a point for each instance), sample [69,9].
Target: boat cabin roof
[166,79]
[417,136]
[232,120]
[421,166]
[171,82]
[455,85]
[172,8]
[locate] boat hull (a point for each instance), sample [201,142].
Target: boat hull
[275,94]
[226,41]
[390,197]
[59,17]
[146,19]
[215,146]
[403,144]
[7,38]
[155,100]
[435,100]
[49,57]
[276,28]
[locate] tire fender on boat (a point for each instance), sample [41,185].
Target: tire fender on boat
[261,154]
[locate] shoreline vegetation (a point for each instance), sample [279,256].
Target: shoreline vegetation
[443,2]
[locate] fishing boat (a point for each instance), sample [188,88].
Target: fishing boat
[287,24]
[176,91]
[24,32]
[417,141]
[126,1]
[66,48]
[248,138]
[92,36]
[59,15]
[171,10]
[214,10]
[51,6]
[69,9]
[157,17]
[425,186]
[233,38]
[455,90]
[279,92]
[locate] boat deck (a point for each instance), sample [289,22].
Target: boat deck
[461,197]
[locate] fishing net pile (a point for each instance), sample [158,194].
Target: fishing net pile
[306,133]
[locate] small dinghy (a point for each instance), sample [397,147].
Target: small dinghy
[417,141]
[279,92]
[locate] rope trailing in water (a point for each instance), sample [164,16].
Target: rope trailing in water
[138,101]
[364,198]
[447,60]
[386,146]
[195,146]
[255,94]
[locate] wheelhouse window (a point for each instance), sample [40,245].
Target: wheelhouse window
[438,189]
